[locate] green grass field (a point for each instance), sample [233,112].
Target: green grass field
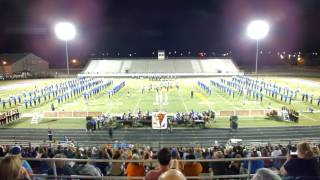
[178,100]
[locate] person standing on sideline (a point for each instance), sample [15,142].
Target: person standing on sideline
[169,128]
[52,107]
[191,94]
[110,133]
[50,134]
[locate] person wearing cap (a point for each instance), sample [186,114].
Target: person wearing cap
[135,168]
[164,158]
[16,151]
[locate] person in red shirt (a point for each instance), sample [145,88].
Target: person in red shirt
[164,158]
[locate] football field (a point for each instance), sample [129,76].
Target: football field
[141,94]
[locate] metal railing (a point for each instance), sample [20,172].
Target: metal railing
[56,176]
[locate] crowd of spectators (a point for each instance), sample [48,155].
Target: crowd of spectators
[305,164]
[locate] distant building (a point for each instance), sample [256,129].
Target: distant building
[22,62]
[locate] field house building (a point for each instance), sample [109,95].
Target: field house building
[16,63]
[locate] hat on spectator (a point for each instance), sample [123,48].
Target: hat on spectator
[94,150]
[174,154]
[16,150]
[135,157]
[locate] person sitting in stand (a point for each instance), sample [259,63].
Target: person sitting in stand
[139,114]
[195,116]
[164,158]
[11,167]
[124,117]
[147,113]
[304,165]
[178,118]
[129,115]
[135,168]
[192,168]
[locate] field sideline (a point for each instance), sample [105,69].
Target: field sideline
[178,100]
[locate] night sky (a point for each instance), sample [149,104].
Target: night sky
[143,26]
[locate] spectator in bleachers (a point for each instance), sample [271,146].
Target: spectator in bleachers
[192,168]
[146,156]
[276,153]
[116,167]
[218,168]
[164,158]
[256,164]
[11,168]
[176,156]
[234,167]
[44,166]
[304,165]
[100,154]
[172,174]
[135,168]
[2,152]
[84,168]
[316,151]
[62,168]
[265,174]
[267,162]
[17,152]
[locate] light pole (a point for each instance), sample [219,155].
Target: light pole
[257,30]
[65,31]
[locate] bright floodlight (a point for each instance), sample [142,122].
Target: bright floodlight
[65,31]
[258,29]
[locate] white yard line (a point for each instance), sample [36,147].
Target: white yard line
[138,103]
[184,104]
[308,117]
[118,100]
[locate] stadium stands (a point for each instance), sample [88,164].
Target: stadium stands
[182,67]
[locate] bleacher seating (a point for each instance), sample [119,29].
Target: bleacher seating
[151,66]
[99,158]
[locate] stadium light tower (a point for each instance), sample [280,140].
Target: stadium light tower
[65,31]
[257,30]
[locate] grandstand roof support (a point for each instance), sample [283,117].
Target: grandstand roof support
[67,57]
[257,57]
